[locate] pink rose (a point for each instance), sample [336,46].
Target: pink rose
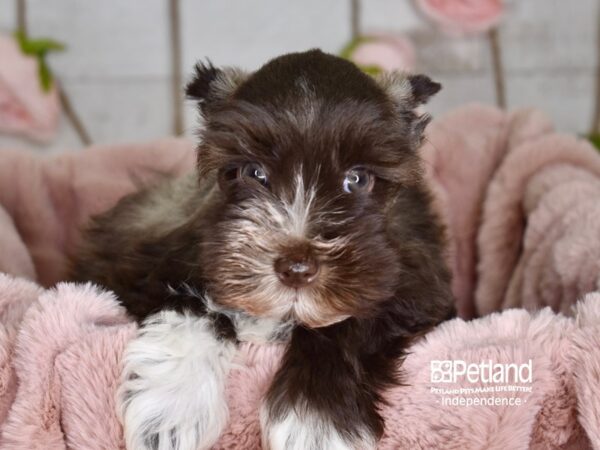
[24,107]
[463,16]
[385,53]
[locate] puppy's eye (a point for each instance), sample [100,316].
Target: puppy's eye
[358,180]
[255,172]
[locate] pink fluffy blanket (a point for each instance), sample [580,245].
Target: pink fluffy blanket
[518,201]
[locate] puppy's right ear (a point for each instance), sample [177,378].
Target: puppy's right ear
[211,86]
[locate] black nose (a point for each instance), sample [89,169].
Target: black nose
[297,271]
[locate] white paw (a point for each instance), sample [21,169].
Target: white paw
[172,392]
[307,431]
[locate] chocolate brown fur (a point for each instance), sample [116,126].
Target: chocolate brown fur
[306,119]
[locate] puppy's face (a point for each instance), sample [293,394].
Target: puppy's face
[310,154]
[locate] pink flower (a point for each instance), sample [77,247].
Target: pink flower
[385,53]
[24,107]
[463,16]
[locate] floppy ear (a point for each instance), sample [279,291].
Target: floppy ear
[408,92]
[211,85]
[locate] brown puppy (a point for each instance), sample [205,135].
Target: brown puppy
[308,221]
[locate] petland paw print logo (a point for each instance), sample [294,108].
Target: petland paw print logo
[453,371]
[441,371]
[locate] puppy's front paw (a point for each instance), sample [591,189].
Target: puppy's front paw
[301,429]
[172,394]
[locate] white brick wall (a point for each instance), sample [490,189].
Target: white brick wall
[116,69]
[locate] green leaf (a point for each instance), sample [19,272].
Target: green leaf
[371,70]
[20,38]
[45,75]
[595,140]
[39,48]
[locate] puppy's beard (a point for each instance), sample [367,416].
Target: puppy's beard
[307,311]
[304,306]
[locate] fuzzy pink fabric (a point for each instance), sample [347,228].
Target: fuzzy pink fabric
[47,199]
[519,204]
[539,239]
[64,365]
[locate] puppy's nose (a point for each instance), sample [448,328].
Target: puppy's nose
[297,271]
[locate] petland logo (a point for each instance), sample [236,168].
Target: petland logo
[453,371]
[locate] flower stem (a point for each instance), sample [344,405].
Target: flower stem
[67,106]
[355,18]
[176,77]
[595,130]
[497,67]
[22,16]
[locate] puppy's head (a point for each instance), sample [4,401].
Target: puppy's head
[311,155]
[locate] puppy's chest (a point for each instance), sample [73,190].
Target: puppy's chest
[258,330]
[232,324]
[262,330]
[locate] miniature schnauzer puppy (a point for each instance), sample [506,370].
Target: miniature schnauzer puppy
[307,222]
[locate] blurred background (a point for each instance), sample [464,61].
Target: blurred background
[82,71]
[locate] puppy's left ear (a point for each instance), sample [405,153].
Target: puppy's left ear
[408,92]
[211,85]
